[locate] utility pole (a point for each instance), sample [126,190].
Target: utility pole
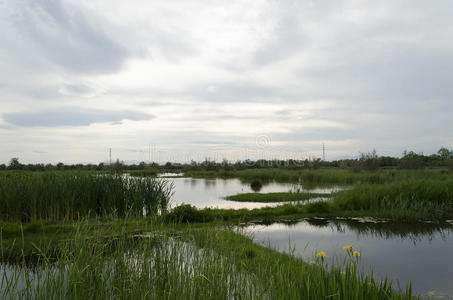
[323,152]
[110,152]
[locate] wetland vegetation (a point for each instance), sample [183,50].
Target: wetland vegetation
[103,234]
[276,197]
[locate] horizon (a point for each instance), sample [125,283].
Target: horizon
[186,81]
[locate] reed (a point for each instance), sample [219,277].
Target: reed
[276,197]
[427,199]
[326,176]
[199,263]
[26,196]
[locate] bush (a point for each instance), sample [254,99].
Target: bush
[369,161]
[450,165]
[186,213]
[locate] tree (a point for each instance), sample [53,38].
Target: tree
[411,160]
[369,161]
[14,164]
[444,153]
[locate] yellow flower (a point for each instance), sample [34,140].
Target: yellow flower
[321,254]
[348,247]
[356,253]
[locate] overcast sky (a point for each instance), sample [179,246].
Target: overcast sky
[182,80]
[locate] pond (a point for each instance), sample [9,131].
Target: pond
[420,253]
[202,193]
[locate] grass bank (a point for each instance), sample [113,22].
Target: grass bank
[403,201]
[169,261]
[326,176]
[425,199]
[275,197]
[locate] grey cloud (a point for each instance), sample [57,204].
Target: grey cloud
[239,92]
[286,39]
[310,134]
[289,36]
[68,38]
[79,90]
[213,142]
[71,117]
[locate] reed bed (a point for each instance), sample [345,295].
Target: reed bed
[276,197]
[427,199]
[329,176]
[26,196]
[200,263]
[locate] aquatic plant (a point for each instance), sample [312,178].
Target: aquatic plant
[276,197]
[26,196]
[198,263]
[430,199]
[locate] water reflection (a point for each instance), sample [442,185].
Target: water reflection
[408,252]
[204,193]
[256,186]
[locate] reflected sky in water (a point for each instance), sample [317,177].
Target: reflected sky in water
[420,253]
[202,192]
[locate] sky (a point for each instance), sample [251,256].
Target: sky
[188,80]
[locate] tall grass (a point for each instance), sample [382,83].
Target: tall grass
[326,176]
[276,197]
[430,199]
[62,195]
[202,264]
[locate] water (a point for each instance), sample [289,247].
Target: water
[169,175]
[419,253]
[202,193]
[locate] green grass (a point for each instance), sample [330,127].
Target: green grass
[403,201]
[426,199]
[142,173]
[26,196]
[275,197]
[326,176]
[82,235]
[181,262]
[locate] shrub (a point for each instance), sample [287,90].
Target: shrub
[186,213]
[450,165]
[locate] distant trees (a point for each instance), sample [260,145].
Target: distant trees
[367,161]
[14,164]
[411,160]
[444,153]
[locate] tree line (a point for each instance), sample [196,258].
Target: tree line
[366,161]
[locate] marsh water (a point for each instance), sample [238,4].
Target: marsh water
[202,193]
[420,253]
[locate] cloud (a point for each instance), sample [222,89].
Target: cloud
[67,36]
[71,117]
[80,90]
[354,75]
[238,92]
